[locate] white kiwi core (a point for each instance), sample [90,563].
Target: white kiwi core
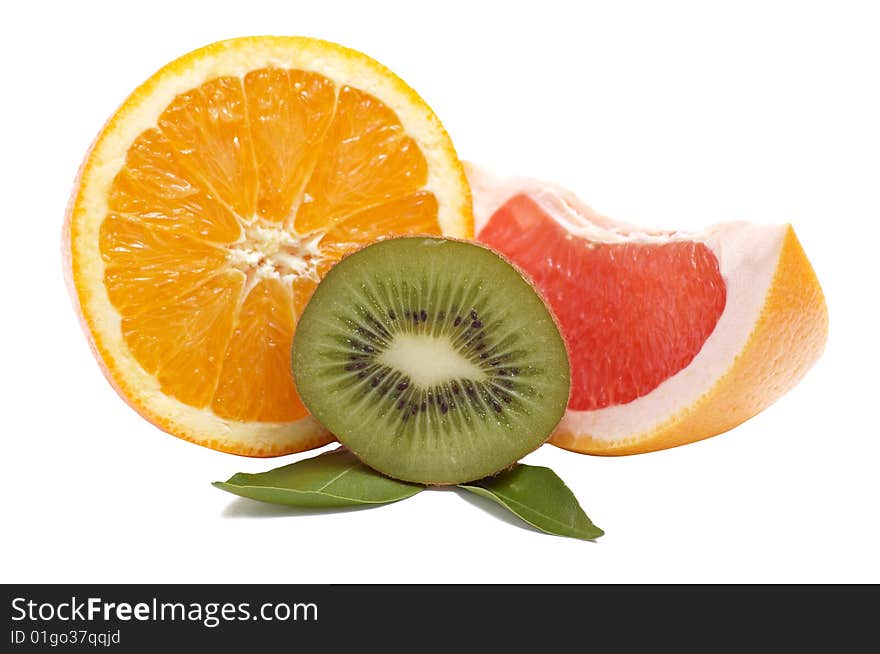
[428,360]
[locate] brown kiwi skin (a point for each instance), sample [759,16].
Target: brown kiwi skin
[527,279]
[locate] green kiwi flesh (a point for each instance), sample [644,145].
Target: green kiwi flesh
[433,360]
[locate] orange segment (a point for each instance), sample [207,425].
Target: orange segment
[213,203]
[289,112]
[148,267]
[155,188]
[182,342]
[302,289]
[367,159]
[209,129]
[413,214]
[255,382]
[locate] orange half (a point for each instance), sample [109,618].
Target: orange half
[212,203]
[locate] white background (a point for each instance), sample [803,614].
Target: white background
[677,115]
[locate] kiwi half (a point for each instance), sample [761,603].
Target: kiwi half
[433,360]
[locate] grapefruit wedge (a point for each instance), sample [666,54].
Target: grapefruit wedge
[212,203]
[673,337]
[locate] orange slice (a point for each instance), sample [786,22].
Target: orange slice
[211,204]
[673,337]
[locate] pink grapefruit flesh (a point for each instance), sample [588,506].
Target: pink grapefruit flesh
[634,314]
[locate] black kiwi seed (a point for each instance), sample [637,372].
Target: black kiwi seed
[392,314]
[443,407]
[441,315]
[476,324]
[423,406]
[496,406]
[401,404]
[473,314]
[402,385]
[380,327]
[457,321]
[423,316]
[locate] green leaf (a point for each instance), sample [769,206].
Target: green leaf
[540,497]
[332,479]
